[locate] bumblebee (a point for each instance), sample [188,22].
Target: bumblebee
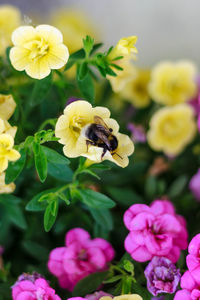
[98,134]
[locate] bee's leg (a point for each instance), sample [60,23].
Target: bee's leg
[117,154]
[90,143]
[103,153]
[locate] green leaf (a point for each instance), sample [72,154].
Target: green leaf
[89,284]
[40,161]
[128,266]
[15,168]
[74,57]
[150,187]
[88,171]
[40,90]
[60,172]
[88,44]
[65,196]
[95,199]
[50,215]
[86,87]
[103,217]
[178,186]
[96,47]
[141,291]
[35,204]
[125,197]
[54,157]
[113,279]
[15,215]
[82,71]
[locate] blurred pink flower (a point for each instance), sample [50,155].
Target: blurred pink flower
[193,258]
[80,257]
[97,295]
[138,134]
[194,185]
[32,287]
[155,230]
[190,289]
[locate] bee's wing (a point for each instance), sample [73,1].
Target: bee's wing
[100,121]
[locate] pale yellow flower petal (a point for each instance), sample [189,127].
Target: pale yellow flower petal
[128,297]
[11,130]
[19,58]
[6,141]
[111,123]
[7,106]
[3,164]
[101,111]
[2,126]
[57,56]
[6,188]
[50,33]
[23,34]
[13,155]
[38,69]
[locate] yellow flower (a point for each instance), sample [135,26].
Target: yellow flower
[7,153]
[6,188]
[173,83]
[74,25]
[119,82]
[125,47]
[5,127]
[10,19]
[171,129]
[7,106]
[123,297]
[38,50]
[136,89]
[72,126]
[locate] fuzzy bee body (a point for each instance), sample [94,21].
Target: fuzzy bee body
[98,134]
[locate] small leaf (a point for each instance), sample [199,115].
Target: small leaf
[88,43]
[40,161]
[65,197]
[103,217]
[89,284]
[86,87]
[60,172]
[15,168]
[178,186]
[82,71]
[128,266]
[40,90]
[16,216]
[35,204]
[87,171]
[50,215]
[113,279]
[54,157]
[95,199]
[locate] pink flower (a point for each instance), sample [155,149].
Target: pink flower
[155,230]
[194,185]
[190,289]
[97,295]
[33,287]
[80,257]
[193,258]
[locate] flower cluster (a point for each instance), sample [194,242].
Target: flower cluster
[7,134]
[100,142]
[33,287]
[155,230]
[190,281]
[80,257]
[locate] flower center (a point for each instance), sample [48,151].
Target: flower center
[83,255]
[77,123]
[38,48]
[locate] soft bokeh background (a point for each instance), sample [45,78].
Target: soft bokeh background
[166,29]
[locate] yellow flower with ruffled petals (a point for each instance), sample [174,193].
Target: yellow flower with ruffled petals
[173,83]
[38,50]
[123,297]
[172,129]
[7,153]
[7,106]
[74,26]
[119,82]
[6,188]
[125,47]
[5,127]
[10,18]
[71,129]
[136,89]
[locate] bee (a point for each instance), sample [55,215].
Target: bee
[98,134]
